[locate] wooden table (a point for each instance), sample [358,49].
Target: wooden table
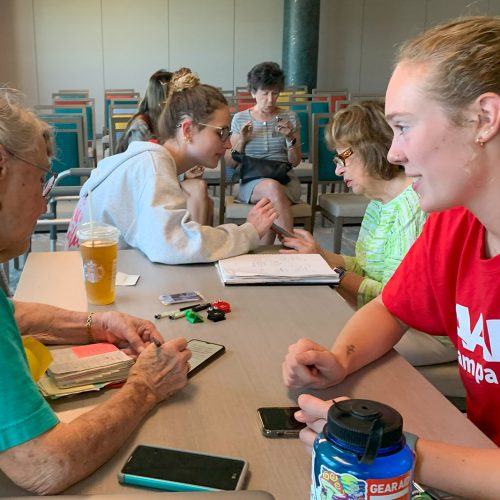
[216,412]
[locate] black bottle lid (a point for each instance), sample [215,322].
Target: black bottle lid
[365,424]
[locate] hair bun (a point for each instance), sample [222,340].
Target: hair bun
[183,79]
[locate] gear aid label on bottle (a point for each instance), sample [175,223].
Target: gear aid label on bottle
[330,485]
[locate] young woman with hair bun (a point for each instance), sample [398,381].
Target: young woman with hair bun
[138,191]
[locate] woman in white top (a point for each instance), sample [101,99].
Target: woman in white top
[138,191]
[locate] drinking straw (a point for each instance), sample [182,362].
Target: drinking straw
[91,217]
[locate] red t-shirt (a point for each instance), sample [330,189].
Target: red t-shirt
[445,285]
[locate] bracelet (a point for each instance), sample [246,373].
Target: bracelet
[88,326]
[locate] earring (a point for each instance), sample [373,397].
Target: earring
[479,141]
[187,139]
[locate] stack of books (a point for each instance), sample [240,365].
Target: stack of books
[276,269]
[88,364]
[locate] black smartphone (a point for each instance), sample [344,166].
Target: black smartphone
[280,422]
[281,231]
[182,470]
[203,353]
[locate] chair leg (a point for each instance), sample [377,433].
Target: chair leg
[338,226]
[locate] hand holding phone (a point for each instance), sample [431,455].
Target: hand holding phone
[280,421]
[172,469]
[281,231]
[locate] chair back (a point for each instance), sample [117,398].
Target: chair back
[69,144]
[72,94]
[321,156]
[89,104]
[129,98]
[119,116]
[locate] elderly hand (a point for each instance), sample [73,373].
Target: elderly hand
[285,128]
[195,172]
[308,364]
[303,243]
[262,215]
[163,369]
[129,333]
[313,412]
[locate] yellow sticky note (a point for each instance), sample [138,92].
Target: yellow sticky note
[39,357]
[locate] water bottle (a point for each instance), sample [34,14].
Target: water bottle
[361,454]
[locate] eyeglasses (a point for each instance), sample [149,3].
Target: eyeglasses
[49,183]
[224,132]
[340,158]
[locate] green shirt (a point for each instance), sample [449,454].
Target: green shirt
[25,414]
[387,232]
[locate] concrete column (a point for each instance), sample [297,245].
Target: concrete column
[300,42]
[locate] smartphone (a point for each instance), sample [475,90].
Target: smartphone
[280,422]
[281,231]
[182,470]
[203,353]
[179,298]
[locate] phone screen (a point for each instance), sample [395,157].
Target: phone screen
[185,467]
[280,422]
[281,231]
[203,353]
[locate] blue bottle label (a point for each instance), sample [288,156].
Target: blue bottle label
[328,484]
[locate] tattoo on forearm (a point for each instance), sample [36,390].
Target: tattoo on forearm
[350,349]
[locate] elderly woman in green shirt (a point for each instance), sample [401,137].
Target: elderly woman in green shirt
[393,219]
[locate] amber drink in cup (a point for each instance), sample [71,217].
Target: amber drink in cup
[99,250]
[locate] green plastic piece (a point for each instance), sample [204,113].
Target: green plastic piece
[194,317]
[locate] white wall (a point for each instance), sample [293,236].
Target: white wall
[359,38]
[47,45]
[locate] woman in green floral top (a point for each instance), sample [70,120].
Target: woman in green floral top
[393,219]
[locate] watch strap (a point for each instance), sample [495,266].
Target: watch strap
[341,272]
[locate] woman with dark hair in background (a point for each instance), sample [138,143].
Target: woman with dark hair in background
[139,192]
[269,132]
[143,126]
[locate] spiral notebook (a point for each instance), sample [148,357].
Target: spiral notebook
[276,269]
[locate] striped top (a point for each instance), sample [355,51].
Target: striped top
[265,142]
[387,233]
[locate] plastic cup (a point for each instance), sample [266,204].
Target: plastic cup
[99,250]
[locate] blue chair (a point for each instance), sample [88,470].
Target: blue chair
[340,208]
[69,144]
[59,99]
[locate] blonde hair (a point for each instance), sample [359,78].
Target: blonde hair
[363,127]
[464,60]
[19,126]
[188,98]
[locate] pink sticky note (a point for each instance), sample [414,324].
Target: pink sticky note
[84,351]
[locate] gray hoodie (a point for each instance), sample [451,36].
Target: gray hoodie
[139,193]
